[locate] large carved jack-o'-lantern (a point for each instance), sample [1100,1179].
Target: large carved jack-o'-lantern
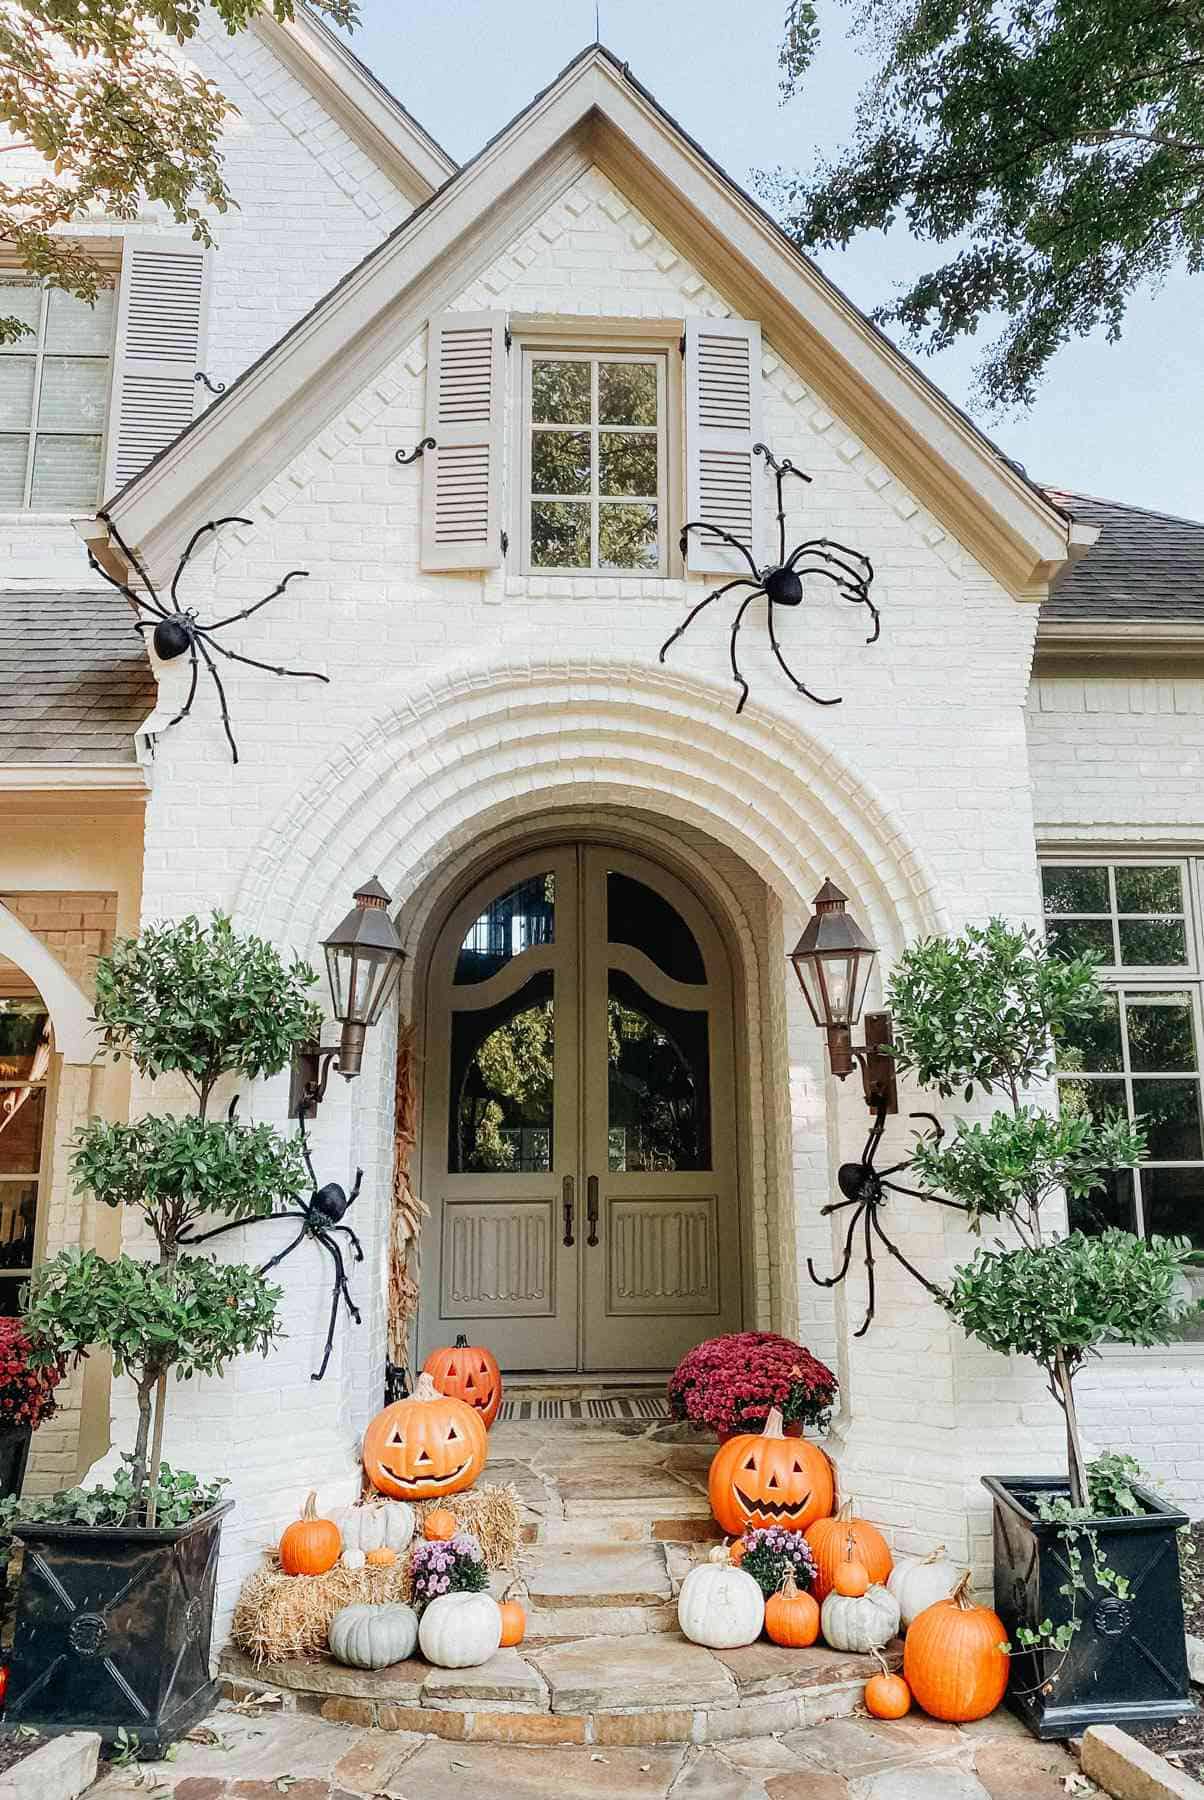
[429,1445]
[470,1373]
[770,1479]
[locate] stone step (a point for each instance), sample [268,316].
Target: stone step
[558,1623]
[693,1528]
[567,1575]
[637,1689]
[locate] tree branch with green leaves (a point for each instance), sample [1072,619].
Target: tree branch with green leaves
[1055,148]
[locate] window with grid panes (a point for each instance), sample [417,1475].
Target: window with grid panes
[594,427]
[54,397]
[1141,1058]
[24,1072]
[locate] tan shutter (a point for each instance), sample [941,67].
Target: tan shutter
[723,422]
[462,475]
[161,320]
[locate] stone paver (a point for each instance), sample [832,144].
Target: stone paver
[927,1781]
[601,1674]
[513,1772]
[596,1575]
[504,1677]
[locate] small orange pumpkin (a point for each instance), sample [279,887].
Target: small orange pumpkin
[440,1525]
[852,1579]
[426,1447]
[886,1696]
[310,1545]
[514,1620]
[736,1552]
[767,1479]
[791,1616]
[384,1558]
[847,1539]
[955,1658]
[470,1373]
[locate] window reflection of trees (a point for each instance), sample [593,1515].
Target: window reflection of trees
[658,1087]
[503,1071]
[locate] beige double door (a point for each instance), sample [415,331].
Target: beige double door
[579,1119]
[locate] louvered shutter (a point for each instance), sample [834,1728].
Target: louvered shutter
[462,475]
[161,319]
[723,422]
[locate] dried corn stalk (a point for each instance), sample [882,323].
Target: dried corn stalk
[407,1211]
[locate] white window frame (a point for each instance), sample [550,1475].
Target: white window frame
[536,341]
[26,509]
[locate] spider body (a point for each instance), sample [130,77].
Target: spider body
[781,583]
[176,629]
[330,1202]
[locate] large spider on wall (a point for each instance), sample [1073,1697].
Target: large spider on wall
[781,583]
[177,629]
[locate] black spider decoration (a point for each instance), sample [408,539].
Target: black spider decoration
[321,1218]
[865,1189]
[782,583]
[177,628]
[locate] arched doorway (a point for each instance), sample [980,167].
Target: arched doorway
[579,1117]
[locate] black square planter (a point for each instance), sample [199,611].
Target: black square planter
[14,1455]
[113,1629]
[1127,1663]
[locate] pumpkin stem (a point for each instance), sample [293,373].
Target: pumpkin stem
[788,1587]
[773,1424]
[461,1341]
[961,1593]
[933,1555]
[425,1389]
[721,1553]
[881,1661]
[310,1509]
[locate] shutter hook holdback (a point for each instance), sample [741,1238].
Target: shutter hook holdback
[427,443]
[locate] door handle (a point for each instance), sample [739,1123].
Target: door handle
[568,1202]
[591,1209]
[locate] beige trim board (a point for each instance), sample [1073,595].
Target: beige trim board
[85,780]
[1138,647]
[595,113]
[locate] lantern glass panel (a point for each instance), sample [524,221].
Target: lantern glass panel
[338,966]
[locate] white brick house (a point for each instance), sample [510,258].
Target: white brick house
[595,326]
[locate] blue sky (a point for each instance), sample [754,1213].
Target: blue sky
[1125,421]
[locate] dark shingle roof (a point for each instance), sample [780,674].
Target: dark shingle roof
[74,678]
[1143,565]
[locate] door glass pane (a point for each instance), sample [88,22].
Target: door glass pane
[21,1111]
[517,920]
[502,1084]
[658,1082]
[639,916]
[18,1212]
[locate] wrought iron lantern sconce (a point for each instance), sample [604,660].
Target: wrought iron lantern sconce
[364,956]
[833,960]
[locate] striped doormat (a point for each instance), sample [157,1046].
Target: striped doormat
[635,1403]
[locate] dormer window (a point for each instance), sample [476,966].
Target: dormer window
[54,397]
[595,462]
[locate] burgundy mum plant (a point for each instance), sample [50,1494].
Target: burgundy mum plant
[730,1383]
[26,1391]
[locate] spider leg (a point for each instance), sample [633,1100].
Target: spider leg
[869,1275]
[240,1224]
[133,562]
[923,1194]
[355,1243]
[736,624]
[856,572]
[910,1267]
[221,694]
[789,672]
[187,706]
[835,1206]
[234,656]
[138,601]
[338,1263]
[216,624]
[725,536]
[846,1258]
[306,1157]
[334,1319]
[355,1191]
[288,1248]
[938,1130]
[740,581]
[194,540]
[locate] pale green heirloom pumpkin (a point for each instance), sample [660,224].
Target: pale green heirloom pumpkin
[372,1637]
[859,1622]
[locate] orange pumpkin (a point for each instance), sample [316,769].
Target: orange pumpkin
[384,1558]
[852,1579]
[425,1447]
[470,1373]
[310,1545]
[886,1696]
[514,1620]
[439,1525]
[791,1616]
[955,1658]
[847,1539]
[769,1479]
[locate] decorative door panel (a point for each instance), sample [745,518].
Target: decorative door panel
[662,1256]
[498,1259]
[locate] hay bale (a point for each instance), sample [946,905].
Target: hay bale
[280,1616]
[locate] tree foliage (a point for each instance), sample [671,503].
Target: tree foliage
[104,95]
[1055,146]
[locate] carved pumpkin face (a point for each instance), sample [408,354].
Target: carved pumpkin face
[426,1446]
[470,1373]
[770,1480]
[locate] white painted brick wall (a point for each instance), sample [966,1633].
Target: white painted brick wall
[458,703]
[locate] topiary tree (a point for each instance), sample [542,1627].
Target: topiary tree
[985,1013]
[203,1002]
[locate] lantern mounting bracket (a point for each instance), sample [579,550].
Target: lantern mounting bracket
[308,1077]
[873,1058]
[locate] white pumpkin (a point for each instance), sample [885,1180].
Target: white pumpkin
[353,1560]
[719,1605]
[372,1637]
[920,1581]
[459,1631]
[379,1525]
[861,1622]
